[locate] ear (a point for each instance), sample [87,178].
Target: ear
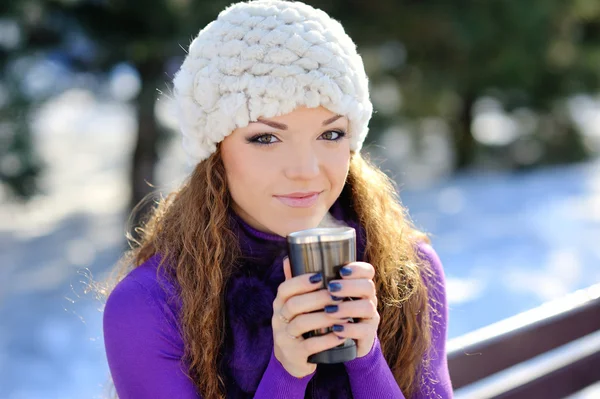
[287,269]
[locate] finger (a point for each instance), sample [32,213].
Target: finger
[321,343]
[306,303]
[362,309]
[360,288]
[287,269]
[299,285]
[355,331]
[310,322]
[356,270]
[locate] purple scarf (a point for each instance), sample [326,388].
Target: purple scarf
[249,298]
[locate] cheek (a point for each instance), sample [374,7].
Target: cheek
[337,166]
[247,176]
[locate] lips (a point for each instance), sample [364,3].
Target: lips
[299,200]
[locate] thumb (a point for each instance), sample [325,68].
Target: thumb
[287,269]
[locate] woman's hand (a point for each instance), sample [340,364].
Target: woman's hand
[357,282]
[296,298]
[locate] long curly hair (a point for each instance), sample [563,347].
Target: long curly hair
[190,229]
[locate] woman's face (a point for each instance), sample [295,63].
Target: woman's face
[285,172]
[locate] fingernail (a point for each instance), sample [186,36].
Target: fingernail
[334,287]
[337,328]
[337,298]
[316,278]
[345,271]
[331,308]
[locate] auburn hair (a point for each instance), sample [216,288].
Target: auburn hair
[190,230]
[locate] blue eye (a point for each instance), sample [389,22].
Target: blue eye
[263,139]
[333,135]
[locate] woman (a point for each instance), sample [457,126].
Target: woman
[274,107]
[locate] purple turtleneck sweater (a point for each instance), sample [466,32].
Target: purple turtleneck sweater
[144,345]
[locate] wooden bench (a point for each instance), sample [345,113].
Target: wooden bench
[555,348]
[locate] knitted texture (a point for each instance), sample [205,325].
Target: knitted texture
[265,58]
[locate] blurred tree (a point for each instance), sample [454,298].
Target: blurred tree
[148,35]
[444,55]
[524,53]
[19,31]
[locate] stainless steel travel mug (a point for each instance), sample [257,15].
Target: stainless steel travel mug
[324,250]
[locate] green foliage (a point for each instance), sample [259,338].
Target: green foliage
[19,164]
[527,54]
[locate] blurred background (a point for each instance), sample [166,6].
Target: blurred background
[487,116]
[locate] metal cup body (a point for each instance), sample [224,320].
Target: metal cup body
[325,251]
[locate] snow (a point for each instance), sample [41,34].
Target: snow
[509,242]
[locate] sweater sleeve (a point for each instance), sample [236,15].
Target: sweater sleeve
[436,382]
[278,383]
[370,376]
[143,349]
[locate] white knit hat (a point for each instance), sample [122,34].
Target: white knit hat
[265,58]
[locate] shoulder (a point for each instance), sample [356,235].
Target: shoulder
[436,381]
[434,277]
[434,273]
[144,295]
[140,281]
[142,338]
[149,277]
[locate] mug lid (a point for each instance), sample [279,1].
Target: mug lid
[321,234]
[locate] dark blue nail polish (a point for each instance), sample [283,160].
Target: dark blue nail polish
[334,287]
[331,308]
[345,271]
[337,298]
[337,328]
[316,278]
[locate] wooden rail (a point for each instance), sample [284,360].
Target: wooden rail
[518,339]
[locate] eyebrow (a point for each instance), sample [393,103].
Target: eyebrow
[282,126]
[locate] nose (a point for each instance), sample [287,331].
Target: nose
[302,164]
